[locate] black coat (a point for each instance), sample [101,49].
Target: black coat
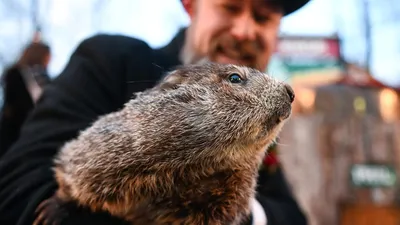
[100,77]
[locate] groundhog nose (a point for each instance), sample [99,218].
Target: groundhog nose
[290,92]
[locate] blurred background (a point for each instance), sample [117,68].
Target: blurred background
[346,164]
[369,30]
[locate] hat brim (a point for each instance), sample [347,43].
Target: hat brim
[290,6]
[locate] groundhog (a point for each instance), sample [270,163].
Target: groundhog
[186,151]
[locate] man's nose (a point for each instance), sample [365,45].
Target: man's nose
[244,28]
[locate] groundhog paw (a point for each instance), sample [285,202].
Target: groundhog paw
[50,212]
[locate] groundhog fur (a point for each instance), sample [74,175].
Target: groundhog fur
[184,152]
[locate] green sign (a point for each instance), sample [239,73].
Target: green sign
[373,175]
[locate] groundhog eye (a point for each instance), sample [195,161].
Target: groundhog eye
[235,78]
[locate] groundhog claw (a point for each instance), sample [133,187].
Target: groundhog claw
[49,212]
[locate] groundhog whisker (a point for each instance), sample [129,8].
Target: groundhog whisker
[281,144]
[163,69]
[276,141]
[286,79]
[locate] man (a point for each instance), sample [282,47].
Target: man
[101,76]
[22,84]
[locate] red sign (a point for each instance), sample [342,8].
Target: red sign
[310,47]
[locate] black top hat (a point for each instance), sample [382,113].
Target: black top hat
[290,6]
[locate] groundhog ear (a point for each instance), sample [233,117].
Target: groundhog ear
[171,81]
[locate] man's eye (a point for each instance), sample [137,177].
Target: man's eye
[261,18]
[232,8]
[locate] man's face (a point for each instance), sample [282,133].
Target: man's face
[232,31]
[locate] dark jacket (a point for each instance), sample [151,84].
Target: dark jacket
[100,77]
[17,104]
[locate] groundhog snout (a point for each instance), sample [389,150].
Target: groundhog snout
[290,92]
[282,104]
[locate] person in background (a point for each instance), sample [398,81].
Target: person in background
[22,85]
[103,73]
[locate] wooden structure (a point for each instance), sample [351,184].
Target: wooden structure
[341,152]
